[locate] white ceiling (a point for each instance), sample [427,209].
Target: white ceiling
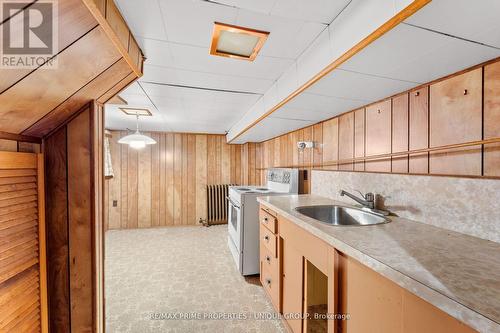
[442,38]
[189,90]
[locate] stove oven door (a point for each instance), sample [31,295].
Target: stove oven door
[234,223]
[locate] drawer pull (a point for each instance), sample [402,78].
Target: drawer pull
[268,259]
[265,220]
[465,92]
[266,237]
[417,93]
[268,281]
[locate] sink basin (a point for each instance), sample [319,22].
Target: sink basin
[339,215]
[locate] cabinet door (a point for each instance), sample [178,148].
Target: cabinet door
[359,138]
[492,118]
[400,132]
[331,142]
[292,285]
[346,139]
[456,117]
[378,135]
[373,302]
[419,129]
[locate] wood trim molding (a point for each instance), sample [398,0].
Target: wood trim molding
[112,35]
[384,28]
[19,137]
[42,246]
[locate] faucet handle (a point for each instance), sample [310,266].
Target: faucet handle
[369,196]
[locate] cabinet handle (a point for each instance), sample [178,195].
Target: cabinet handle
[266,237]
[378,111]
[466,92]
[268,281]
[268,258]
[417,93]
[265,220]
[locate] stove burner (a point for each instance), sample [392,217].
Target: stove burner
[262,189]
[243,189]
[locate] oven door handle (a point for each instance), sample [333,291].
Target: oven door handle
[232,202]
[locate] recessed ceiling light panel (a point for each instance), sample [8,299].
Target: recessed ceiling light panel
[136,112]
[237,42]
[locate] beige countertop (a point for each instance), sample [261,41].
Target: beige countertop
[457,273]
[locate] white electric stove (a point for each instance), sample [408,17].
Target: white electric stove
[243,216]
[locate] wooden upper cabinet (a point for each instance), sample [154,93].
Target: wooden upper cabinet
[346,139]
[118,24]
[318,147]
[359,138]
[331,142]
[378,135]
[456,117]
[492,118]
[400,132]
[419,129]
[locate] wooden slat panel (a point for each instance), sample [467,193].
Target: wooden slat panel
[57,231]
[172,178]
[331,141]
[103,82]
[74,20]
[455,116]
[400,132]
[17,194]
[378,135]
[492,118]
[346,139]
[36,95]
[79,217]
[17,187]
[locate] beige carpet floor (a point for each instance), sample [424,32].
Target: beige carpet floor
[153,276]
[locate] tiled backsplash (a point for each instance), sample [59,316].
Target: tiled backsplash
[467,205]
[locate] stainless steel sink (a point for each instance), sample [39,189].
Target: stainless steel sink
[339,215]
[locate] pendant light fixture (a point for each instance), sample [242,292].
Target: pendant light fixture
[137,140]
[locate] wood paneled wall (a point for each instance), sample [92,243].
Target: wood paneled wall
[165,184]
[73,220]
[461,108]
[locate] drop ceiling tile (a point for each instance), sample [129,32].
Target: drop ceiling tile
[358,20]
[191,21]
[322,11]
[315,107]
[474,20]
[288,37]
[261,6]
[204,80]
[196,59]
[351,85]
[143,17]
[157,52]
[413,54]
[317,56]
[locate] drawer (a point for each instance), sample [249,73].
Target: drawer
[269,221]
[269,261]
[268,240]
[270,282]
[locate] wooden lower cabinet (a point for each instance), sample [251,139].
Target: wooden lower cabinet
[310,273]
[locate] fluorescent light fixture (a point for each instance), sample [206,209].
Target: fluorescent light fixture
[237,42]
[137,140]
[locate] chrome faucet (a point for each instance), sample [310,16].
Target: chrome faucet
[367,201]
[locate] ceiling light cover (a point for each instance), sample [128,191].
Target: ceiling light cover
[137,140]
[237,42]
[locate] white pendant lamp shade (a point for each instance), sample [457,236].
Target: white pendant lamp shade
[137,140]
